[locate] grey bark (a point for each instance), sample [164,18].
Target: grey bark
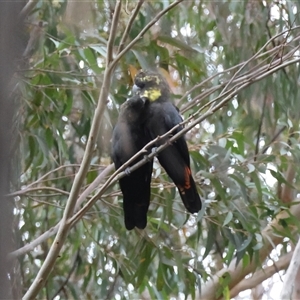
[11,48]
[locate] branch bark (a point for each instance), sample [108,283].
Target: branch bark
[11,49]
[291,274]
[238,272]
[261,275]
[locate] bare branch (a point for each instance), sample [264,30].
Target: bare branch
[27,9]
[129,25]
[46,188]
[290,276]
[261,275]
[238,271]
[113,31]
[145,29]
[29,247]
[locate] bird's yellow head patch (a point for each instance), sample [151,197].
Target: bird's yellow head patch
[152,94]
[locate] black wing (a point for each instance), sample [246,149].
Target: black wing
[175,158]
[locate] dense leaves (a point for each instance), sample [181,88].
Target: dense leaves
[243,156]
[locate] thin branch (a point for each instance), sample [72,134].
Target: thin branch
[256,54]
[129,25]
[74,265]
[260,128]
[50,172]
[94,185]
[113,31]
[27,9]
[273,139]
[145,29]
[239,271]
[30,247]
[42,188]
[290,276]
[261,275]
[241,66]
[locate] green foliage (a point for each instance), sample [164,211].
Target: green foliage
[239,160]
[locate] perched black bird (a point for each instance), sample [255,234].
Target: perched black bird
[129,138]
[161,116]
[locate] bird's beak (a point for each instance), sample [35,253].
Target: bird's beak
[135,89]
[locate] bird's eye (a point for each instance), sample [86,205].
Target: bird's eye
[135,89]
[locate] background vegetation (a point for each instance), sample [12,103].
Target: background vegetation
[233,68]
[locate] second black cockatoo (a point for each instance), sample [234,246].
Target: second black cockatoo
[129,138]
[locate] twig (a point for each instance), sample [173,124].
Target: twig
[273,139]
[260,128]
[290,276]
[261,275]
[75,264]
[46,188]
[145,29]
[29,247]
[27,9]
[257,54]
[113,31]
[129,25]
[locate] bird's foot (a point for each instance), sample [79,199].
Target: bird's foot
[154,150]
[127,171]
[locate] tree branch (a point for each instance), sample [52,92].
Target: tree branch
[113,31]
[27,9]
[238,272]
[290,276]
[261,275]
[145,29]
[129,25]
[29,247]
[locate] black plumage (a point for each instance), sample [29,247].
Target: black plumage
[161,116]
[129,138]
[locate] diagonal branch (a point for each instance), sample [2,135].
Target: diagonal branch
[129,25]
[145,29]
[261,275]
[237,272]
[290,276]
[113,30]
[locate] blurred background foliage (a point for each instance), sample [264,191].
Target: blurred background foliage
[244,156]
